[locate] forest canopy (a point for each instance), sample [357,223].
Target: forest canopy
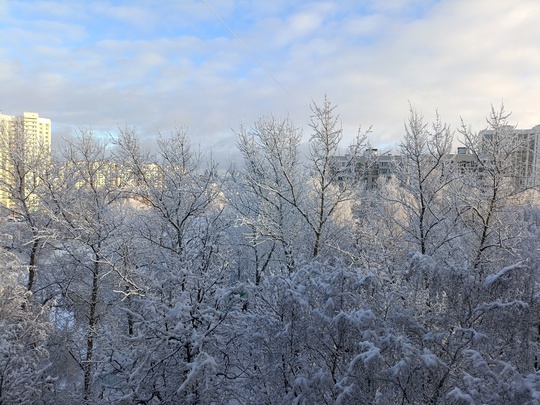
[137,276]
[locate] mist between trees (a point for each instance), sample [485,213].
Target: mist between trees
[131,277]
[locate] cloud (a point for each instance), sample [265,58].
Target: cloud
[160,65]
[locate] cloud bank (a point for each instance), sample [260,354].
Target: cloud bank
[160,65]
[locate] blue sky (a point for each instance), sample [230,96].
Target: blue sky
[159,65]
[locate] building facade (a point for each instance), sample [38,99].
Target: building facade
[25,141]
[366,169]
[520,146]
[516,150]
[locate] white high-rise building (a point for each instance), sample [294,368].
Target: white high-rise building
[24,141]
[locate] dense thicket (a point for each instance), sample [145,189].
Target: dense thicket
[138,277]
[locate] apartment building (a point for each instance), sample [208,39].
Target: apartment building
[24,140]
[520,146]
[366,169]
[371,167]
[29,127]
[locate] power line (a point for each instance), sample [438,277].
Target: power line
[246,48]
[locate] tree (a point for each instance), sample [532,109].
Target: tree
[177,290]
[24,330]
[328,194]
[269,192]
[424,175]
[498,182]
[283,199]
[84,204]
[166,282]
[23,163]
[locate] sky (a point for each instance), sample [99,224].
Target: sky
[214,65]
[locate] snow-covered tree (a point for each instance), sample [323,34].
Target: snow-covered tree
[24,330]
[84,204]
[24,162]
[423,175]
[268,192]
[490,207]
[177,293]
[329,194]
[276,282]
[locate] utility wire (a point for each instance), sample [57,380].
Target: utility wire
[246,48]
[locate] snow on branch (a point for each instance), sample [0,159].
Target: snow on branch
[493,278]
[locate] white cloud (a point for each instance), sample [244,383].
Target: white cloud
[184,67]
